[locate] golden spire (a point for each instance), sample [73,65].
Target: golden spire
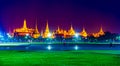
[47,32]
[58,30]
[36,34]
[36,28]
[71,28]
[47,28]
[101,32]
[83,30]
[71,31]
[25,25]
[83,33]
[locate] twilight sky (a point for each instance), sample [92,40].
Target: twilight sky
[88,13]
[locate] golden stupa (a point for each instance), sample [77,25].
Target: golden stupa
[36,33]
[84,33]
[23,30]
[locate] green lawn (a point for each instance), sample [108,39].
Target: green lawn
[59,58]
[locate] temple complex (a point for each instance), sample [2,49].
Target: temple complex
[24,30]
[101,32]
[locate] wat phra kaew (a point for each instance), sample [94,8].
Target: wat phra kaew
[59,36]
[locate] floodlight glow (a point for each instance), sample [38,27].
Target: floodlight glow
[76,47]
[49,35]
[27,34]
[77,35]
[9,35]
[49,47]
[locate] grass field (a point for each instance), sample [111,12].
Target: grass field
[60,58]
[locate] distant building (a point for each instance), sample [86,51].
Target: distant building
[36,33]
[59,33]
[23,31]
[71,31]
[46,33]
[84,33]
[64,33]
[100,33]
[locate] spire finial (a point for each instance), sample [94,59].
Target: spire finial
[24,24]
[84,33]
[58,28]
[101,32]
[36,28]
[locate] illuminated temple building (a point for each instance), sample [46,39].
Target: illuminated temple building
[65,33]
[71,31]
[101,32]
[84,33]
[59,32]
[24,30]
[46,33]
[36,33]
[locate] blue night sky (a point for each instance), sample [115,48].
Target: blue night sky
[88,13]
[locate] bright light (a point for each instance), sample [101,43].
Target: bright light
[49,47]
[77,35]
[9,35]
[76,47]
[27,34]
[49,35]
